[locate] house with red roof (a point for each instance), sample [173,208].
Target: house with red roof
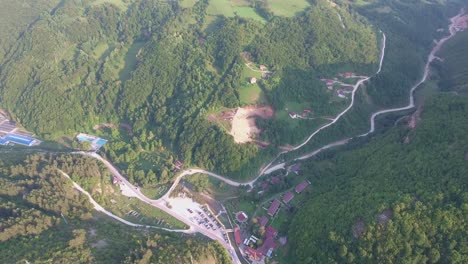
[263,67]
[270,232]
[237,235]
[253,254]
[295,168]
[299,188]
[269,243]
[273,207]
[263,221]
[288,196]
[241,217]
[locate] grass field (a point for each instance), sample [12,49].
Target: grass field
[288,8]
[130,60]
[250,93]
[155,192]
[100,50]
[122,4]
[187,3]
[230,8]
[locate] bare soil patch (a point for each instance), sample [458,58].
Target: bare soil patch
[243,127]
[462,22]
[358,229]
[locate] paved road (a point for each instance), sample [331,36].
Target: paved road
[431,58]
[99,208]
[161,204]
[338,117]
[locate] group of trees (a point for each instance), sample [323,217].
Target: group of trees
[431,232]
[418,174]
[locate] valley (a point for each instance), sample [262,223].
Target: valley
[193,143]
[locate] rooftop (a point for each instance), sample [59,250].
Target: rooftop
[299,188]
[288,196]
[241,217]
[263,221]
[273,207]
[237,236]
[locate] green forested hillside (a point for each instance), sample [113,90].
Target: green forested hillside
[43,219]
[453,74]
[417,178]
[16,17]
[160,68]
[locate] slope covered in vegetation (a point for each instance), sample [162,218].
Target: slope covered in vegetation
[416,175]
[44,219]
[160,68]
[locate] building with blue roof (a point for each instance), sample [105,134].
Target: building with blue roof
[4,142]
[21,140]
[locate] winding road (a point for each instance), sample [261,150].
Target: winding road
[161,203]
[99,208]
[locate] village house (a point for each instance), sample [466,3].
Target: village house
[267,247]
[299,188]
[288,196]
[237,235]
[341,94]
[241,217]
[295,168]
[263,221]
[263,67]
[293,115]
[253,80]
[306,112]
[273,208]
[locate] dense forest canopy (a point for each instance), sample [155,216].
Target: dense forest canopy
[413,179]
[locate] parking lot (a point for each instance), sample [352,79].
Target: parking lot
[199,215]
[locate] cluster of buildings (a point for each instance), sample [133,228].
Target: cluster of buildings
[265,74]
[268,240]
[11,134]
[287,197]
[257,247]
[347,75]
[266,248]
[305,113]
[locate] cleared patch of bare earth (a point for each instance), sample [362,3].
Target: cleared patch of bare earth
[358,229]
[243,127]
[385,216]
[100,244]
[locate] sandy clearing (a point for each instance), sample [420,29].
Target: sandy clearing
[127,191]
[243,127]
